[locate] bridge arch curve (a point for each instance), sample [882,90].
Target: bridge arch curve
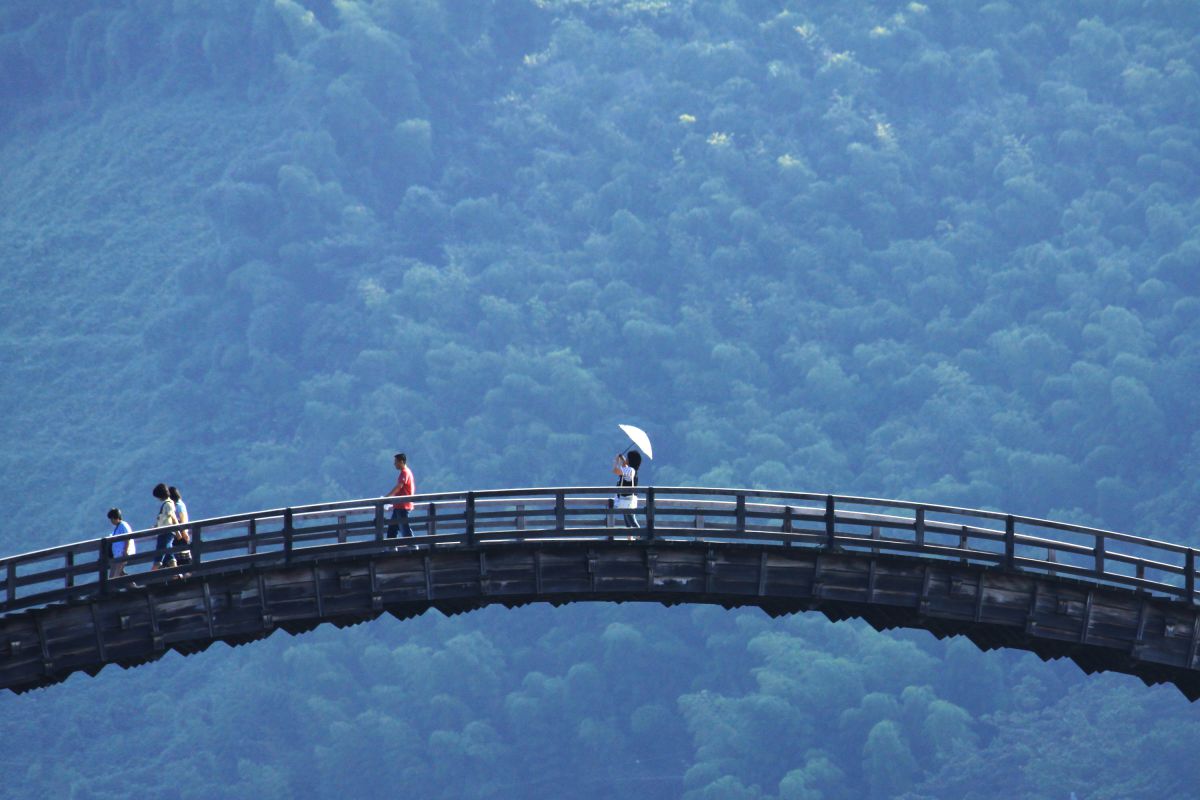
[1107,600]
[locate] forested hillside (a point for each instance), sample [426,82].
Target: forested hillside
[946,251]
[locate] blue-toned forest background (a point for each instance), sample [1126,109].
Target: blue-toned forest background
[941,250]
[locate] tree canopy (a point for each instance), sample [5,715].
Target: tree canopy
[936,250]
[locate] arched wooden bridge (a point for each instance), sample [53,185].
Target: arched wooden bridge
[1108,601]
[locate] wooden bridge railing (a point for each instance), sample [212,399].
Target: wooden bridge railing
[493,518]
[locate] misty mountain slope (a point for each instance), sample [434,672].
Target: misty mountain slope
[941,251]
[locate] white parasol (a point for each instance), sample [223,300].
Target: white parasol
[639,438]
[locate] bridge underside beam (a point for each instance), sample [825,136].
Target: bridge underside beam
[1098,628]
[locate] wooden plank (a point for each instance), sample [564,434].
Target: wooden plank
[316,582]
[208,611]
[1143,614]
[1031,614]
[373,587]
[47,664]
[268,619]
[1087,617]
[155,631]
[1191,662]
[923,597]
[99,629]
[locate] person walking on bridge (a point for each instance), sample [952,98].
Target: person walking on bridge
[123,549]
[166,517]
[183,537]
[405,487]
[625,467]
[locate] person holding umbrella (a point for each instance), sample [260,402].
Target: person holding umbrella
[625,467]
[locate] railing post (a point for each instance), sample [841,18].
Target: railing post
[288,532]
[431,520]
[252,536]
[1189,575]
[197,545]
[1010,542]
[919,527]
[1098,551]
[740,514]
[560,511]
[650,512]
[102,562]
[341,530]
[379,521]
[520,520]
[69,557]
[829,518]
[10,588]
[470,519]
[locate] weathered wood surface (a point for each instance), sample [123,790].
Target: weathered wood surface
[296,570]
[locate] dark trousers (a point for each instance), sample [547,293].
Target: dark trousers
[165,540]
[631,521]
[399,518]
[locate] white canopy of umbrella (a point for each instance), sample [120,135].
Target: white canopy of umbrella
[639,438]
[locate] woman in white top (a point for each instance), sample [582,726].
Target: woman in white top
[626,467]
[166,517]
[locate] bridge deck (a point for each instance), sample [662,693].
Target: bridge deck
[1108,601]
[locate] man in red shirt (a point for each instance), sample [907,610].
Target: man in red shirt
[405,487]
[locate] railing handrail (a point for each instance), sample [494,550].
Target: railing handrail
[476,512]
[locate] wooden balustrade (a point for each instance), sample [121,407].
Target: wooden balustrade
[492,518]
